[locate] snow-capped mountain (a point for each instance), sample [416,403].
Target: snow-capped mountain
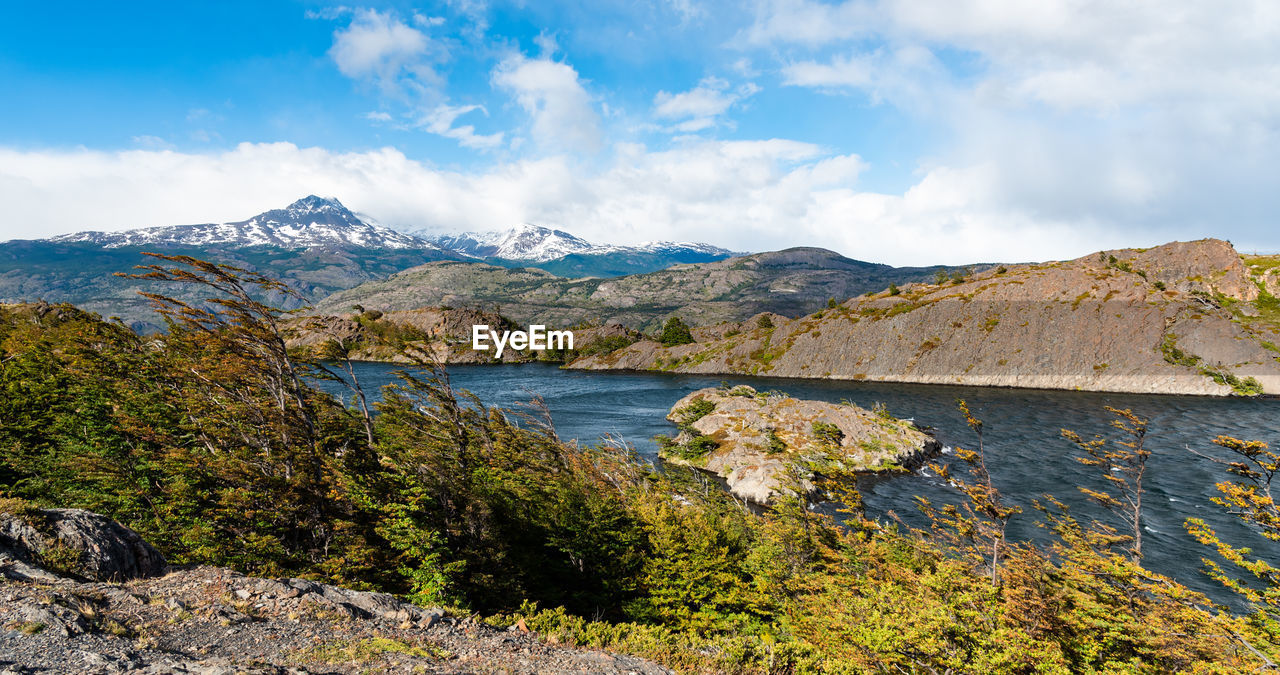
[522,242]
[309,222]
[534,243]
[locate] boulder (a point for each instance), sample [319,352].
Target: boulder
[78,543]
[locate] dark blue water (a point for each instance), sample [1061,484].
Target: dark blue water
[1027,456]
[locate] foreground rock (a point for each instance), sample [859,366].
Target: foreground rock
[1183,318]
[214,621]
[765,443]
[75,542]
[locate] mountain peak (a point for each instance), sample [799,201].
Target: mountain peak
[309,222]
[312,203]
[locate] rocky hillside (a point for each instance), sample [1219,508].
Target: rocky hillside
[791,282]
[435,334]
[82,594]
[1185,318]
[763,443]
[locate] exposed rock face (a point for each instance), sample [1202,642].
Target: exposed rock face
[216,622]
[87,544]
[1184,318]
[765,440]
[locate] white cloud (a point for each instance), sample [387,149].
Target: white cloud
[688,10]
[747,195]
[379,47]
[551,93]
[1153,118]
[699,107]
[807,22]
[440,121]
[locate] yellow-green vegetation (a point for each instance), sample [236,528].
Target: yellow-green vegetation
[691,445]
[366,650]
[27,627]
[1248,386]
[210,442]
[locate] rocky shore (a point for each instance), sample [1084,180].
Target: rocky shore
[765,443]
[81,594]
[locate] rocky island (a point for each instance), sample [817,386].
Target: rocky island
[764,443]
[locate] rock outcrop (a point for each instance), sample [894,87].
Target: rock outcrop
[76,542]
[214,621]
[765,443]
[1183,318]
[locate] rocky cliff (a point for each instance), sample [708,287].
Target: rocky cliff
[764,443]
[82,594]
[1183,318]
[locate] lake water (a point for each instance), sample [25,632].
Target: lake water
[1027,456]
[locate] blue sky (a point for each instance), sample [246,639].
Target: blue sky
[918,131]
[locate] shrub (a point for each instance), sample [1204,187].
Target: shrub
[828,434]
[675,332]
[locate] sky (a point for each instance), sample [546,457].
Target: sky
[901,131]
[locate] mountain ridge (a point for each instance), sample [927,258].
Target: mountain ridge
[306,223]
[791,282]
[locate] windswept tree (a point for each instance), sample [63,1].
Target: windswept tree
[979,524]
[1123,465]
[1248,497]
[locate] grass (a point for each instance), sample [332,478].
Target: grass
[1261,263]
[368,649]
[28,627]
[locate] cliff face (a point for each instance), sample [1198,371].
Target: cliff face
[1183,318]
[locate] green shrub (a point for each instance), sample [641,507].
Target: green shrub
[828,434]
[675,332]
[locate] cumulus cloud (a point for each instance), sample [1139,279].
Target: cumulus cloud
[746,195]
[699,107]
[382,48]
[1157,118]
[563,116]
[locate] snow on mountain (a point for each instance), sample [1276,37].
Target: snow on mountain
[534,243]
[307,223]
[522,242]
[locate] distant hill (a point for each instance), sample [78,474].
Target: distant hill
[1186,318]
[791,282]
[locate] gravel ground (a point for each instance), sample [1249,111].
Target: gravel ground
[213,621]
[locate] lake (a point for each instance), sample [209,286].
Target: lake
[1027,456]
